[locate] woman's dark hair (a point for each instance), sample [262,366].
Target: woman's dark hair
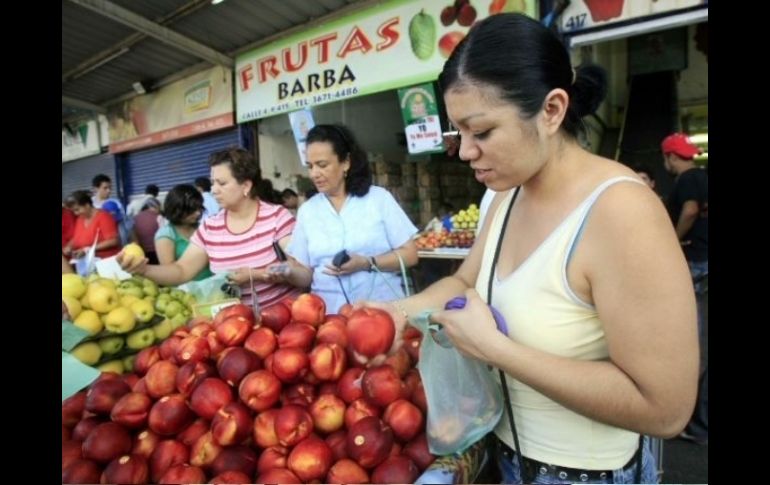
[181,201]
[524,61]
[81,197]
[242,165]
[359,177]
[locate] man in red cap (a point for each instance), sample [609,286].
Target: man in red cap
[688,207]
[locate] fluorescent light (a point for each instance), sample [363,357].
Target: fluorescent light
[214,2]
[643,27]
[139,87]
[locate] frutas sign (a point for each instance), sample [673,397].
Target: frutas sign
[397,43]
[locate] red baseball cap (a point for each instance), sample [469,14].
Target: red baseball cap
[679,144]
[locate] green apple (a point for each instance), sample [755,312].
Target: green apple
[178,320]
[131,290]
[72,285]
[88,353]
[163,329]
[172,308]
[143,310]
[164,290]
[120,320]
[128,363]
[111,345]
[160,304]
[102,298]
[115,366]
[150,288]
[89,321]
[189,300]
[140,339]
[177,294]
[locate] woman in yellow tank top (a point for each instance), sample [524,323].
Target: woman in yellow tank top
[582,262]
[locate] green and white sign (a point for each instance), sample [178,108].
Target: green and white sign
[393,44]
[421,121]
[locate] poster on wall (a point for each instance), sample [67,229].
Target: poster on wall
[421,121]
[384,47]
[197,104]
[301,122]
[586,14]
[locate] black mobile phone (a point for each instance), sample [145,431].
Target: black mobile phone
[340,258]
[279,251]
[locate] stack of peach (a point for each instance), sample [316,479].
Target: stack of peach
[296,396]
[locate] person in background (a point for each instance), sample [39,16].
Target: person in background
[67,221]
[145,227]
[210,205]
[351,214]
[112,207]
[688,208]
[267,193]
[137,205]
[65,266]
[290,200]
[92,225]
[646,174]
[601,346]
[238,240]
[182,209]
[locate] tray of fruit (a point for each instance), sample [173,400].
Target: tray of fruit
[121,317]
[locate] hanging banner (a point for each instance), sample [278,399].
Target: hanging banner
[421,121]
[393,44]
[301,122]
[79,140]
[197,104]
[586,14]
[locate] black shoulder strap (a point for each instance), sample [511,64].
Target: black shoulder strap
[506,395]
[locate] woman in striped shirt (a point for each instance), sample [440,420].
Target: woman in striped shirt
[238,240]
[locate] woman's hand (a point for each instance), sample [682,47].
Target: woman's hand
[356,263]
[131,265]
[396,312]
[472,328]
[240,276]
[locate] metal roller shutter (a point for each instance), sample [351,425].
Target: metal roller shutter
[177,163]
[77,174]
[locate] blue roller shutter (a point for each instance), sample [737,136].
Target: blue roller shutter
[77,174]
[176,163]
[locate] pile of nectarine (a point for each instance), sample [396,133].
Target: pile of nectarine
[292,395]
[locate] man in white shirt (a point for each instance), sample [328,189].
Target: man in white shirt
[210,206]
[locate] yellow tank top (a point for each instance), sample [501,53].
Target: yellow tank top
[544,313]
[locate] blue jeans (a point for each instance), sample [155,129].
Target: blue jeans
[699,269]
[510,473]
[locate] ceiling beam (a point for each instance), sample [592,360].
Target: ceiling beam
[163,34]
[349,9]
[78,103]
[110,52]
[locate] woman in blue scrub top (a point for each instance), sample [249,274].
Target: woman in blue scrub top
[348,213]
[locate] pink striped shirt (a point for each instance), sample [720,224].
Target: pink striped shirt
[252,248]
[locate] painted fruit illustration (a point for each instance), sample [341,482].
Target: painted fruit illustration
[505,6]
[449,41]
[422,35]
[604,9]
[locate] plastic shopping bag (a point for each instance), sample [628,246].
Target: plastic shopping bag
[464,398]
